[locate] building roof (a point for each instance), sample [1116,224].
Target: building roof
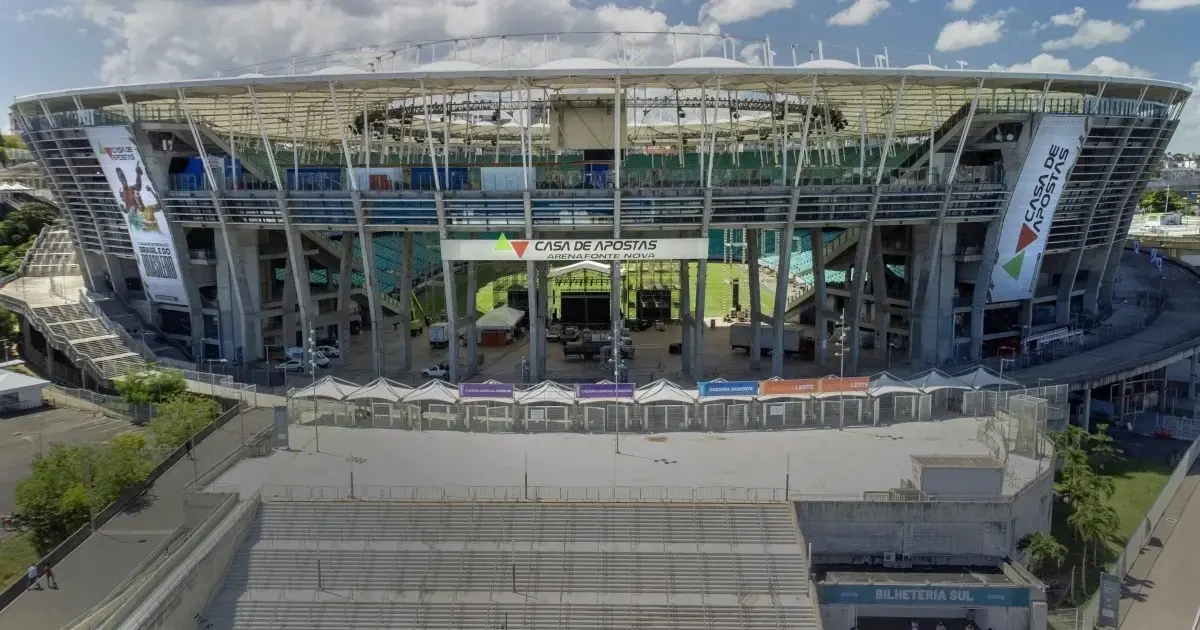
[14,381]
[956,461]
[500,318]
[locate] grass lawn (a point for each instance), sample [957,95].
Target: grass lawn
[1137,486]
[494,283]
[16,554]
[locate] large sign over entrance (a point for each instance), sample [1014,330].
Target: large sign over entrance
[1031,207]
[960,596]
[147,223]
[609,249]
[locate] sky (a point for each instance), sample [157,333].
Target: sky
[57,44]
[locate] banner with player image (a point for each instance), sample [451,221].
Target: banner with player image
[157,259]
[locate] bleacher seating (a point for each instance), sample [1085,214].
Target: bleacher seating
[55,256]
[449,565]
[801,259]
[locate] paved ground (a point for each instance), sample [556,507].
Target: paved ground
[822,461]
[23,436]
[89,573]
[45,291]
[1160,590]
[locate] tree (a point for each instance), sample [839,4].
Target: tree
[25,221]
[150,386]
[180,418]
[1157,201]
[1092,522]
[125,464]
[1094,450]
[1045,553]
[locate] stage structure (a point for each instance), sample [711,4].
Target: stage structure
[941,215]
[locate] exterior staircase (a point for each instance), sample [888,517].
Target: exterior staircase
[832,249]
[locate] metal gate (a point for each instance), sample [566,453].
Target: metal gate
[925,407]
[439,416]
[658,418]
[714,416]
[594,419]
[614,414]
[738,416]
[547,418]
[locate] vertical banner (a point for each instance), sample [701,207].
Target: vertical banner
[1110,600]
[1052,154]
[126,173]
[281,428]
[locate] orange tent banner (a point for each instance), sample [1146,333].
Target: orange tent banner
[853,385]
[785,387]
[804,386]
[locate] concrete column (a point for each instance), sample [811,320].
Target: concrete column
[289,308]
[1121,407]
[345,279]
[1025,320]
[783,245]
[448,281]
[1192,377]
[406,315]
[685,313]
[472,315]
[543,314]
[536,339]
[1085,414]
[614,299]
[937,308]
[370,282]
[752,255]
[298,273]
[983,281]
[879,293]
[820,294]
[701,322]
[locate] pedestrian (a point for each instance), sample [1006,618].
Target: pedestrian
[396,325]
[33,577]
[187,445]
[50,581]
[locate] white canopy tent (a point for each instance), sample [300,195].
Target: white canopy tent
[496,399]
[725,397]
[663,391]
[546,393]
[981,378]
[500,318]
[933,380]
[381,389]
[615,398]
[330,388]
[883,384]
[434,391]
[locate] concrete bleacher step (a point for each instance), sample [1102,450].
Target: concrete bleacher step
[267,615]
[528,522]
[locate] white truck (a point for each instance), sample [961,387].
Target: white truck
[740,338]
[439,334]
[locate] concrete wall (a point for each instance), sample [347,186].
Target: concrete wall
[929,532]
[962,482]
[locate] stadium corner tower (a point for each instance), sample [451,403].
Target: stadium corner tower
[956,209]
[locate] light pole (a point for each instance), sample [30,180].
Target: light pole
[312,366]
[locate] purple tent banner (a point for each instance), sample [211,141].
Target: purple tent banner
[604,390]
[485,390]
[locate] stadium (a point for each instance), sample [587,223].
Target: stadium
[489,217]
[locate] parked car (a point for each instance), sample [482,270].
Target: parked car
[291,365]
[554,333]
[437,371]
[329,351]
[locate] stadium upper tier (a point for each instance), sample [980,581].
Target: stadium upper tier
[699,138]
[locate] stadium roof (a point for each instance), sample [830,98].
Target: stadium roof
[317,102]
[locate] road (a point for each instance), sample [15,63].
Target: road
[102,562]
[1160,589]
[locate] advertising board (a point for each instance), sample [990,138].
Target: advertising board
[604,390]
[1030,212]
[575,249]
[960,596]
[157,257]
[709,389]
[485,390]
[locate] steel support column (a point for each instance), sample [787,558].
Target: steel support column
[615,268]
[471,312]
[820,294]
[881,317]
[752,255]
[345,279]
[701,284]
[439,203]
[406,315]
[366,244]
[685,314]
[854,312]
[783,245]
[537,338]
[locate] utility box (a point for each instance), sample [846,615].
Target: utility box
[958,476]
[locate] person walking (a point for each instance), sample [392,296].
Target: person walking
[49,573]
[187,446]
[32,574]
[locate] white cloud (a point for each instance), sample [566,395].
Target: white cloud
[1074,18]
[961,34]
[1092,33]
[1047,63]
[150,40]
[1187,134]
[861,12]
[1163,5]
[730,11]
[962,6]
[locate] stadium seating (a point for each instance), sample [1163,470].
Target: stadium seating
[467,565]
[800,264]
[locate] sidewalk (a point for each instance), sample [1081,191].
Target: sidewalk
[1160,589]
[105,559]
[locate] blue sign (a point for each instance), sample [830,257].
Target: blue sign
[966,596]
[728,388]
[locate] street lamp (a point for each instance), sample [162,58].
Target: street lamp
[312,365]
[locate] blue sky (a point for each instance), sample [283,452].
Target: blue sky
[57,44]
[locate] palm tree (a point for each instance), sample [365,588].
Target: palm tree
[1093,522]
[1045,552]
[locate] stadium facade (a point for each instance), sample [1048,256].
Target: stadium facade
[939,214]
